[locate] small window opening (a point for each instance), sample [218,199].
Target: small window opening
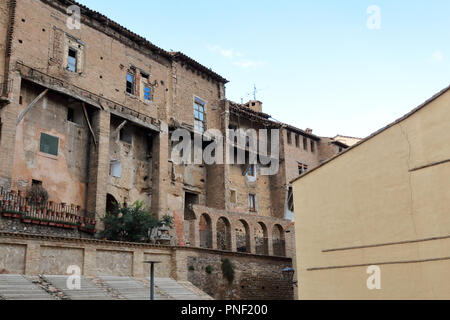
[130,83]
[72,60]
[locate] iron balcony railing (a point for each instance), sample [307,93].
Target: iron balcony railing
[15,205]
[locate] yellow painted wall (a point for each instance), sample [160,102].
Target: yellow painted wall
[368,196]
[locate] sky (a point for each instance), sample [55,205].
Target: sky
[338,67]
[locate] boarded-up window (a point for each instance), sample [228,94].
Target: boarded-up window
[49,144]
[116,169]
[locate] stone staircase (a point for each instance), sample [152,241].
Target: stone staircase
[88,291]
[17,287]
[132,289]
[176,290]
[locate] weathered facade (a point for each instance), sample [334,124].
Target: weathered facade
[387,205]
[89,113]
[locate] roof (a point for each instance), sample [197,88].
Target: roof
[181,56]
[137,39]
[406,116]
[243,109]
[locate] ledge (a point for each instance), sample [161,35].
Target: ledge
[24,236]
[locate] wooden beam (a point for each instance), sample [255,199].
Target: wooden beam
[120,127]
[31,105]
[89,123]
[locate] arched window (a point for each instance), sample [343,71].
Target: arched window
[205,231]
[279,246]
[261,239]
[243,237]
[223,234]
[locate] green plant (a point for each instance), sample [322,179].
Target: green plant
[131,223]
[191,268]
[208,269]
[228,270]
[37,194]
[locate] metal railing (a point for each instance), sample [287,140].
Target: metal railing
[15,205]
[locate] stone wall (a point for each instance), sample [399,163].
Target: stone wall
[15,225]
[256,277]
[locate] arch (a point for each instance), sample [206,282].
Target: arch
[242,236]
[205,231]
[261,239]
[279,245]
[223,234]
[111,203]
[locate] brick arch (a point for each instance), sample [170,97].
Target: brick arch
[243,235]
[261,236]
[278,240]
[223,231]
[111,202]
[205,230]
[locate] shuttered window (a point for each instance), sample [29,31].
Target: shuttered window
[49,144]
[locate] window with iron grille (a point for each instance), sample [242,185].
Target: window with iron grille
[199,115]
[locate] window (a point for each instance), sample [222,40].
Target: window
[115,169]
[297,141]
[233,196]
[313,146]
[36,183]
[49,144]
[126,135]
[130,83]
[289,138]
[305,144]
[251,172]
[290,199]
[70,115]
[302,168]
[199,115]
[148,93]
[252,202]
[72,60]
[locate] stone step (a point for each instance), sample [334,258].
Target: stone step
[89,291]
[17,287]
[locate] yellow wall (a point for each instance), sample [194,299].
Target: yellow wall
[368,196]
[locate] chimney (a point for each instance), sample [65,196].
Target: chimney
[254,105]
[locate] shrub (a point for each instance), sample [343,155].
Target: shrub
[191,268]
[208,269]
[228,270]
[131,224]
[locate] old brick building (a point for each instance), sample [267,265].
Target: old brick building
[89,112]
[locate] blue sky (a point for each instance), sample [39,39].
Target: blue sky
[316,63]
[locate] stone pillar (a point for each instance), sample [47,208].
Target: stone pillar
[9,114]
[214,234]
[99,163]
[179,266]
[252,241]
[32,257]
[270,244]
[233,239]
[160,171]
[195,233]
[90,262]
[138,263]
